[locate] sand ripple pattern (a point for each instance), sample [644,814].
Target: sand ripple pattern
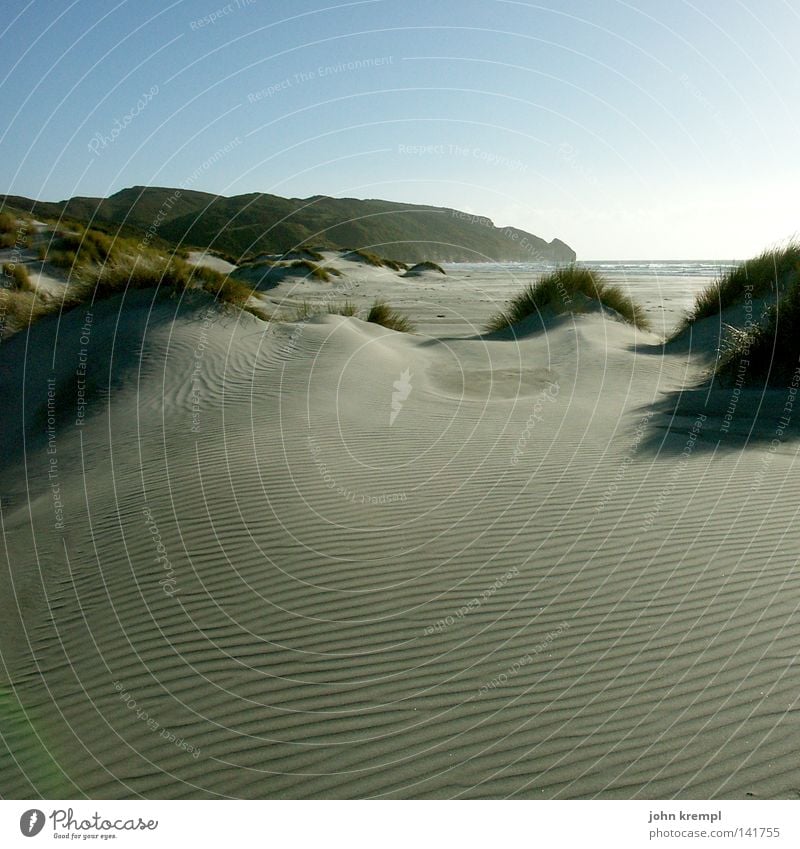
[267,586]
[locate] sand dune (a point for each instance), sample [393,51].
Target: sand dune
[324,559]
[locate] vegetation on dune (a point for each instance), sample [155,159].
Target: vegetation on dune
[348,308]
[566,290]
[17,276]
[768,274]
[15,230]
[768,351]
[307,267]
[318,272]
[100,266]
[360,255]
[426,266]
[381,313]
[70,249]
[19,308]
[8,230]
[303,252]
[307,309]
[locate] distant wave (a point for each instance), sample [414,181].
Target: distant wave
[632,268]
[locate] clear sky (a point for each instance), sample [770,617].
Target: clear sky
[642,129]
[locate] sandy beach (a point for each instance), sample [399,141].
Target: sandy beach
[317,558]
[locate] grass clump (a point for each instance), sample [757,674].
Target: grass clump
[426,266]
[381,313]
[101,267]
[314,270]
[767,274]
[15,230]
[769,352]
[306,310]
[304,252]
[370,258]
[227,290]
[89,247]
[20,308]
[8,230]
[567,289]
[17,276]
[348,308]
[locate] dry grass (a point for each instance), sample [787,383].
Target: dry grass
[768,274]
[769,352]
[308,309]
[89,247]
[100,267]
[426,266]
[17,275]
[318,272]
[360,255]
[381,313]
[566,290]
[20,308]
[8,230]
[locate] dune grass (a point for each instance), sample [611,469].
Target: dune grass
[8,230]
[769,352]
[427,266]
[770,273]
[381,313]
[318,272]
[348,308]
[68,250]
[304,252]
[100,267]
[371,258]
[19,308]
[308,309]
[17,276]
[566,290]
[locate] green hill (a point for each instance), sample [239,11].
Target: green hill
[257,223]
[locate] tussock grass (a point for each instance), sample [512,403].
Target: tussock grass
[426,266]
[20,308]
[8,230]
[17,276]
[769,352]
[304,252]
[318,272]
[770,273]
[100,267]
[371,258]
[566,290]
[89,247]
[381,313]
[308,309]
[348,308]
[15,230]
[766,350]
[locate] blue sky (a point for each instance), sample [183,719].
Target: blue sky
[634,129]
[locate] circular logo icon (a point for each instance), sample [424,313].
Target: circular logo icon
[31,822]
